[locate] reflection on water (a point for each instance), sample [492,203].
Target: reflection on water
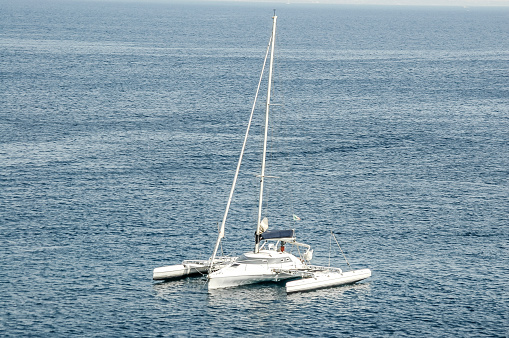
[168,289]
[249,297]
[261,304]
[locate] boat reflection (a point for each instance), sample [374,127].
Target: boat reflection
[176,288]
[252,296]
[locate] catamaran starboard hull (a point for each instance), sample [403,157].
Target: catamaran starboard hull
[327,279]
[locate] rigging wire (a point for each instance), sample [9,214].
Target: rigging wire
[332,235]
[330,247]
[221,231]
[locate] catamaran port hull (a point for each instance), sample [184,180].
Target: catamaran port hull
[177,271]
[190,268]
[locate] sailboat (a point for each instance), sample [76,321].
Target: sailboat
[269,253]
[269,261]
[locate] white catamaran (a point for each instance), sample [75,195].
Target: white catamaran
[269,261]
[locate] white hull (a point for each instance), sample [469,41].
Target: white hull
[234,281]
[253,268]
[327,279]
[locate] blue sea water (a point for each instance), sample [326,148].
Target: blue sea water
[120,128]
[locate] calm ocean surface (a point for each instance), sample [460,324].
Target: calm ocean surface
[120,127]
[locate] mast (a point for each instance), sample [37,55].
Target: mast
[221,230]
[262,176]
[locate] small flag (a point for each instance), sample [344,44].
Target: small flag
[296,218]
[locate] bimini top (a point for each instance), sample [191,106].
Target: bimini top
[277,235]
